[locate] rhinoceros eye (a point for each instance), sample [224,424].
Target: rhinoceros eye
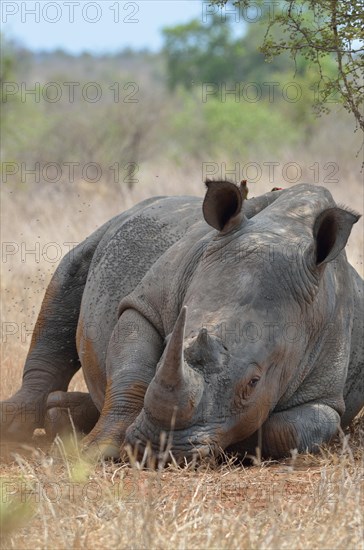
[253,382]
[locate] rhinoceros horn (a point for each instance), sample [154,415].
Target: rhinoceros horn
[176,386]
[204,339]
[170,372]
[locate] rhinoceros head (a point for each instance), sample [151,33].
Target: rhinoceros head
[251,322]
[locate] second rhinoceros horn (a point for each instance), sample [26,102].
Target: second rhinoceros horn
[203,339]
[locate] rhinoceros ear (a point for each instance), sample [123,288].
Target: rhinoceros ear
[222,207]
[331,231]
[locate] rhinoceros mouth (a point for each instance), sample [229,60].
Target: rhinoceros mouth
[182,444]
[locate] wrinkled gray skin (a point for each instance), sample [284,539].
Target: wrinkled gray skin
[213,328]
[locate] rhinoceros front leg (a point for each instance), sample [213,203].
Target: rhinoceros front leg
[134,350]
[304,428]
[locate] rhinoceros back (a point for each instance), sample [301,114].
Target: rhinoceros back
[133,243]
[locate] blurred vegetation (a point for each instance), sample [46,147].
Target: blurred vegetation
[209,94]
[317,30]
[16,506]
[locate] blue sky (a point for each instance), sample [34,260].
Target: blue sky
[100,26]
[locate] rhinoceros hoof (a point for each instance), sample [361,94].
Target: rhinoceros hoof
[57,422]
[69,411]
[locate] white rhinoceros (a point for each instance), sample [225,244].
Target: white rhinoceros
[211,324]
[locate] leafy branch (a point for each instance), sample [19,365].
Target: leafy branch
[317,29]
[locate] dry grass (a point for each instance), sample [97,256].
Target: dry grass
[304,502]
[52,499]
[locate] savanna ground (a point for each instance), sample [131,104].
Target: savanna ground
[53,498]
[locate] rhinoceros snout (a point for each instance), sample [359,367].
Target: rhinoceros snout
[147,440]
